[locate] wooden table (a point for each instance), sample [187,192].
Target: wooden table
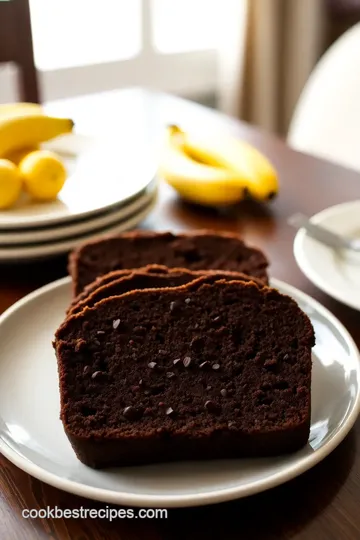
[322,504]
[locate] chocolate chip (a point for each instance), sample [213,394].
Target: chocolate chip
[187,300]
[147,392]
[216,319]
[96,374]
[271,364]
[197,344]
[86,370]
[231,424]
[223,392]
[187,361]
[80,344]
[286,357]
[173,305]
[177,361]
[131,413]
[139,330]
[162,351]
[215,367]
[169,411]
[212,407]
[153,328]
[170,374]
[152,365]
[100,332]
[116,323]
[97,343]
[204,365]
[209,387]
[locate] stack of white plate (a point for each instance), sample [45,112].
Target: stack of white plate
[107,192]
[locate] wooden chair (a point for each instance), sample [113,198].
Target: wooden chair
[16,45]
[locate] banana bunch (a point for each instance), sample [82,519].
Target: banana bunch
[215,170]
[23,127]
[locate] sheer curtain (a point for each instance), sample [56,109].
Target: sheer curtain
[271,46]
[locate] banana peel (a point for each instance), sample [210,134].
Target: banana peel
[215,170]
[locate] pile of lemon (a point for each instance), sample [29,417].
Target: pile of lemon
[24,166]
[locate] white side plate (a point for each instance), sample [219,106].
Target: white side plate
[337,273]
[102,175]
[37,251]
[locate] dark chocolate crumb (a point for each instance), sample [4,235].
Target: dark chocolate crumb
[100,332]
[116,323]
[86,370]
[162,351]
[286,357]
[170,374]
[187,300]
[223,392]
[231,424]
[209,387]
[96,342]
[135,388]
[187,361]
[172,306]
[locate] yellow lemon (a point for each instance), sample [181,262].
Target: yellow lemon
[17,155]
[10,183]
[43,174]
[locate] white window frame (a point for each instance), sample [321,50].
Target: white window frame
[190,74]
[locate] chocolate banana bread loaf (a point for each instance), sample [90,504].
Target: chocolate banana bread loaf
[199,371]
[196,251]
[149,277]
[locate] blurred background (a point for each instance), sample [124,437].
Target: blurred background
[248,58]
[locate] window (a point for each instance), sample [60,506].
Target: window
[86,46]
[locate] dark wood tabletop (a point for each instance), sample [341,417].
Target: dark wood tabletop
[322,504]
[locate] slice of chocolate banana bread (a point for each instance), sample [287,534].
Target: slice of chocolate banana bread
[152,276]
[196,251]
[199,371]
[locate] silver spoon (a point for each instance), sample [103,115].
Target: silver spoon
[324,235]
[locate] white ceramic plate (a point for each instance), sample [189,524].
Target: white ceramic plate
[335,272]
[102,175]
[61,232]
[31,434]
[37,251]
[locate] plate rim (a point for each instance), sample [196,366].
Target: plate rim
[79,227]
[39,251]
[194,499]
[303,261]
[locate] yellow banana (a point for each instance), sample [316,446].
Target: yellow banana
[195,181]
[30,130]
[20,109]
[235,162]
